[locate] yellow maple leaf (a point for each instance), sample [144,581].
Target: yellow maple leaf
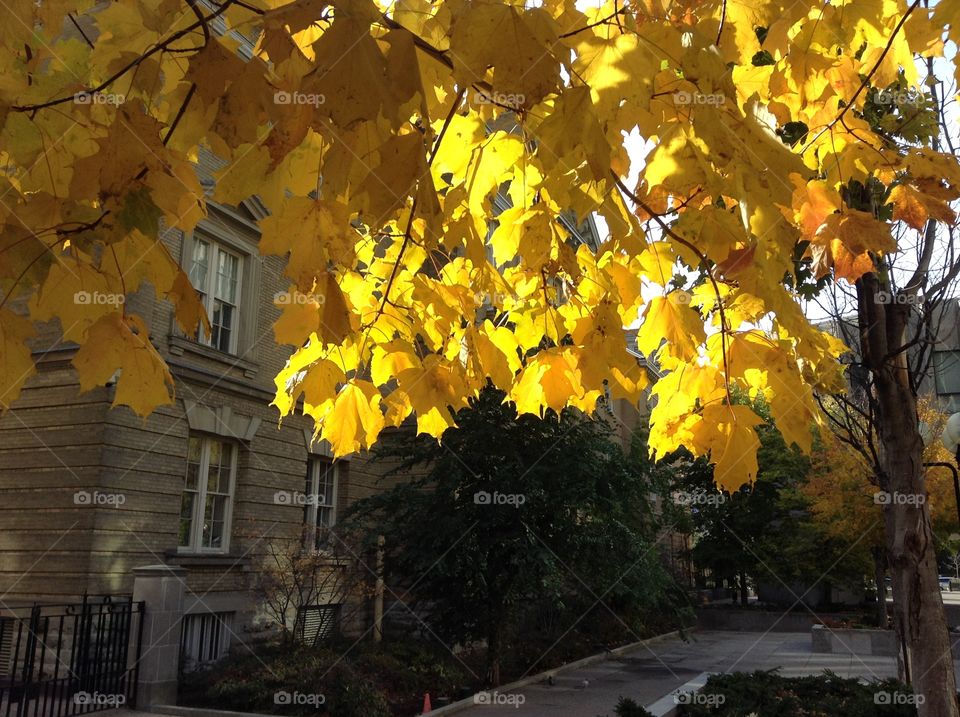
[355,419]
[517,42]
[670,321]
[845,242]
[436,390]
[914,207]
[323,312]
[727,434]
[16,362]
[118,344]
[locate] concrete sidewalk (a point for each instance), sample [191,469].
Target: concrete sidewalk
[652,672]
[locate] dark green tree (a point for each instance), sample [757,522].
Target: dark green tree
[510,516]
[765,530]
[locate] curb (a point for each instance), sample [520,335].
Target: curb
[178,711]
[467,702]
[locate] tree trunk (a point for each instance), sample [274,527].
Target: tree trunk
[879,581]
[743,589]
[917,602]
[494,648]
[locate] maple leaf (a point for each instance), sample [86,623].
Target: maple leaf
[16,362]
[845,242]
[120,345]
[517,44]
[321,313]
[915,207]
[671,320]
[355,419]
[436,391]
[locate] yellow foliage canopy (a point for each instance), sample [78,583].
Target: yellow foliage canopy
[379,136]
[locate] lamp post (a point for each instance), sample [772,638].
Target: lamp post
[951,441]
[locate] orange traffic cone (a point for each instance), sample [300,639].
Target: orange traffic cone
[426,703]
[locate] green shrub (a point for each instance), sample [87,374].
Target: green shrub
[250,683]
[628,708]
[766,694]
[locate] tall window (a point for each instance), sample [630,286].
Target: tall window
[320,506]
[207,495]
[215,274]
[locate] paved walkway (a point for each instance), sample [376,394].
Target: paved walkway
[653,672]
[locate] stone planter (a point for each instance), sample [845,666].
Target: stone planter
[857,641]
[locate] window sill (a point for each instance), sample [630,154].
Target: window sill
[207,560]
[180,345]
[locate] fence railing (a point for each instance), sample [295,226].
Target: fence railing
[70,659]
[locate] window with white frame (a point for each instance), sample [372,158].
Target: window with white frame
[206,503]
[215,273]
[320,506]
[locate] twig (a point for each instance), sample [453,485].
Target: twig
[723,19]
[130,65]
[413,207]
[183,107]
[866,80]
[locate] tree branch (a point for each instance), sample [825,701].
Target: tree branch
[201,23]
[866,80]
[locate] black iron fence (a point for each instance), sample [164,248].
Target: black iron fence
[63,660]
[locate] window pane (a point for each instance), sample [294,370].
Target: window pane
[324,517]
[186,518]
[222,325]
[193,464]
[307,492]
[219,475]
[320,510]
[228,274]
[947,369]
[213,521]
[199,265]
[213,471]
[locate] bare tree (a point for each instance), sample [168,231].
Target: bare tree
[314,569]
[892,319]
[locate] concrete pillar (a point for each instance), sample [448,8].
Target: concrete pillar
[161,588]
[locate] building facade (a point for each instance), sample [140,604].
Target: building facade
[89,492]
